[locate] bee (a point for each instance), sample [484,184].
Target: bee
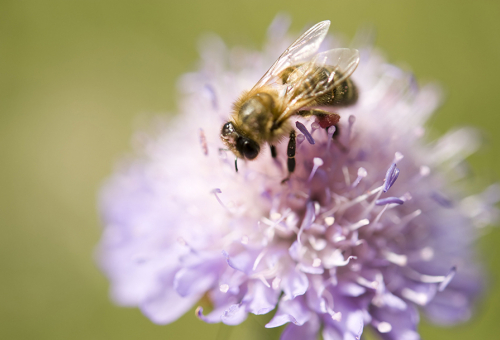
[301,82]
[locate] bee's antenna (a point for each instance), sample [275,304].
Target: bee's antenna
[236,164]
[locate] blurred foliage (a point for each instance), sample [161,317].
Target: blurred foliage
[74,77]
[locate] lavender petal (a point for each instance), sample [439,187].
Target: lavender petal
[167,306]
[332,333]
[294,311]
[294,283]
[350,320]
[242,261]
[234,315]
[396,324]
[308,331]
[261,299]
[444,309]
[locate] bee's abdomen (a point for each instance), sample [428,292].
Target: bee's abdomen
[343,94]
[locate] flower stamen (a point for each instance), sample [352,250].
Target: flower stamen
[397,259]
[218,191]
[390,177]
[317,163]
[306,133]
[362,173]
[330,131]
[447,279]
[389,200]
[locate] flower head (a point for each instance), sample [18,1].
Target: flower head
[371,226]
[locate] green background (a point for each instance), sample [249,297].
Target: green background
[76,79]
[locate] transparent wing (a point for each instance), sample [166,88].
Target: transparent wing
[302,49]
[344,61]
[309,84]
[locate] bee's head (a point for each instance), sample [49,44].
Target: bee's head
[242,147]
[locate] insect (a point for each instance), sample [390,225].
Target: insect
[301,82]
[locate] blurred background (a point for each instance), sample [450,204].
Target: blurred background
[76,75]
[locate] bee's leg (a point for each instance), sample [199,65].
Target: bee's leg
[236,164]
[290,152]
[325,118]
[273,151]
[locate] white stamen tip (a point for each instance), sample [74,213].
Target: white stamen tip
[361,174]
[397,157]
[384,327]
[316,263]
[275,216]
[318,162]
[337,316]
[424,170]
[224,288]
[329,220]
[338,238]
[360,224]
[317,207]
[427,254]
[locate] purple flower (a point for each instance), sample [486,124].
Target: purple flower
[350,241]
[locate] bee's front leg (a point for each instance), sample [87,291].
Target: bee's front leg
[290,152]
[273,151]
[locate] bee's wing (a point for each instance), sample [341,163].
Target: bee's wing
[344,62]
[301,50]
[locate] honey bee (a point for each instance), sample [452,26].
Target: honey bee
[301,82]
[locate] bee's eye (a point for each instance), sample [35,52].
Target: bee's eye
[247,147]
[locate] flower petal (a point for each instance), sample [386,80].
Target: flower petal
[294,311]
[168,306]
[308,331]
[294,283]
[396,325]
[260,299]
[234,315]
[194,280]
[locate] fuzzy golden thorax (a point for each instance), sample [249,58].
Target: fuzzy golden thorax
[254,122]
